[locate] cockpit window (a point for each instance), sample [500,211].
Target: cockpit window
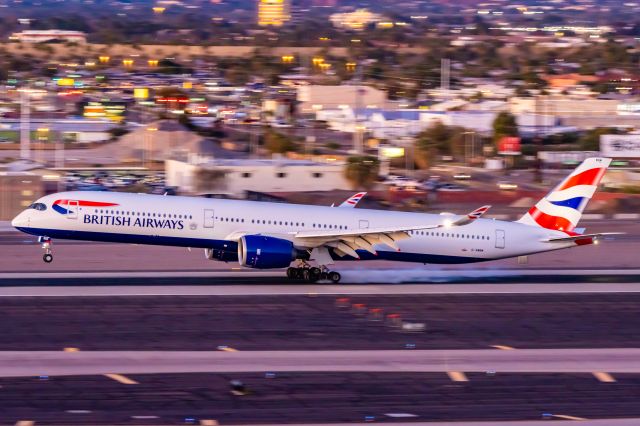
[38,206]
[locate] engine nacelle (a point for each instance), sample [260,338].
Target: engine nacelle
[262,252]
[223,255]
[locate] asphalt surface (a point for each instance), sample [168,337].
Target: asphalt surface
[320,322]
[281,398]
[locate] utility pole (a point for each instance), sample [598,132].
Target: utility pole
[445,76]
[25,119]
[358,134]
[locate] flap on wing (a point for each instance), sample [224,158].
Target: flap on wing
[363,231]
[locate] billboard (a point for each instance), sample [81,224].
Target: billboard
[620,146]
[509,145]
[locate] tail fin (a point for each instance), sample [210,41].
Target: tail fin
[562,208]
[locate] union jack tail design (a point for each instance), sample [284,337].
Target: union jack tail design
[477,213]
[562,208]
[355,199]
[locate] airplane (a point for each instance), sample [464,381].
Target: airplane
[265,235]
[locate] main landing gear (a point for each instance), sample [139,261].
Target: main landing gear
[46,246]
[312,274]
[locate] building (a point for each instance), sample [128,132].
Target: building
[236,177]
[313,98]
[357,20]
[273,12]
[564,106]
[56,130]
[41,36]
[17,191]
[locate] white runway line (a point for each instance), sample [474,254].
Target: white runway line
[57,363]
[318,289]
[598,422]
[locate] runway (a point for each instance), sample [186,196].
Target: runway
[309,358]
[274,281]
[301,398]
[501,342]
[314,321]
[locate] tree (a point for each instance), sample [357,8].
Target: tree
[590,140]
[438,139]
[278,143]
[504,125]
[362,171]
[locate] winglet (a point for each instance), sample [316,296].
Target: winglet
[476,214]
[353,200]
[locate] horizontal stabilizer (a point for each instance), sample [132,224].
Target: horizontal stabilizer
[581,237]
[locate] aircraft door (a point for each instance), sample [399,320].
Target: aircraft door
[72,209]
[208,218]
[364,224]
[500,238]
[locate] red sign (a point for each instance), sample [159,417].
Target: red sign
[509,145]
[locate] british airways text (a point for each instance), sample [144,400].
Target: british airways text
[142,222]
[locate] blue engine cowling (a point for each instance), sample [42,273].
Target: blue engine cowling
[262,252]
[223,255]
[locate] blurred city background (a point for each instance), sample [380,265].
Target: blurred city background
[429,106]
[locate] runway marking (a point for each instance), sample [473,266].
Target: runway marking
[25,423]
[71,349]
[122,379]
[565,417]
[400,415]
[457,376]
[226,348]
[78,411]
[503,347]
[209,422]
[144,417]
[321,290]
[604,377]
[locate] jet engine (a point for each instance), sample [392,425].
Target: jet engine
[263,252]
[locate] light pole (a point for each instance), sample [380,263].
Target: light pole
[469,149]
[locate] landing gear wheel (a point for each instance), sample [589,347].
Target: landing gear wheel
[310,275]
[47,257]
[292,273]
[335,277]
[324,276]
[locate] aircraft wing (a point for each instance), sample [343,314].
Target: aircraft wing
[348,241]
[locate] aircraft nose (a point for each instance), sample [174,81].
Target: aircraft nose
[20,221]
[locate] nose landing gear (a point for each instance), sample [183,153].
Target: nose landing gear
[46,246]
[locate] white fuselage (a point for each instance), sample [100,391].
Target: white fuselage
[218,224]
